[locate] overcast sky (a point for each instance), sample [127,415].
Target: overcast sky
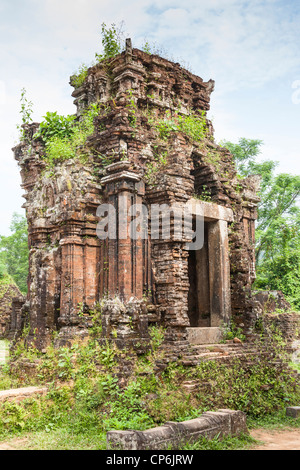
[250,48]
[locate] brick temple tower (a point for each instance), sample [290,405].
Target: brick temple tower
[146,128]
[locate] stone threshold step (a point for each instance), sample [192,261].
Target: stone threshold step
[19,394]
[206,335]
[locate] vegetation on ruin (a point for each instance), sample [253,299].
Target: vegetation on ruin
[86,399]
[65,137]
[193,125]
[26,112]
[79,77]
[112,41]
[278,224]
[112,44]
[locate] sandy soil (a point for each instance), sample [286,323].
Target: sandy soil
[277,440]
[13,444]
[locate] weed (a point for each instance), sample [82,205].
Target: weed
[79,77]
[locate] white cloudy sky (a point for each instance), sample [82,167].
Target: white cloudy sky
[250,48]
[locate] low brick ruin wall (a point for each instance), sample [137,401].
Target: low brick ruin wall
[171,435]
[288,324]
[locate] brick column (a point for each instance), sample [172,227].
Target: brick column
[124,258]
[72,281]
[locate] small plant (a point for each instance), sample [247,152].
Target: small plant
[205,194]
[232,331]
[132,108]
[65,363]
[152,168]
[79,77]
[26,112]
[112,39]
[157,335]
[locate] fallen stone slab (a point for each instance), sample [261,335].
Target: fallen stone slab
[19,394]
[293,411]
[172,434]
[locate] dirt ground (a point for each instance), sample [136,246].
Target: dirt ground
[288,439]
[277,440]
[13,444]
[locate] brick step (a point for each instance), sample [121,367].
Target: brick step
[221,346]
[192,360]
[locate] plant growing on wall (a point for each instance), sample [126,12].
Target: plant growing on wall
[112,41]
[55,125]
[78,78]
[64,136]
[26,112]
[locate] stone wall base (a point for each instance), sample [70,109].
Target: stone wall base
[172,434]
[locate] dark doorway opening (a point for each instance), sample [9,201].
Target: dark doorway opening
[199,288]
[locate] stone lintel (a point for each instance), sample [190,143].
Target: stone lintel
[124,175]
[210,211]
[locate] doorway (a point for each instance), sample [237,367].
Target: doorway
[199,307]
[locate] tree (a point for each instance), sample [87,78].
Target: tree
[14,252]
[278,223]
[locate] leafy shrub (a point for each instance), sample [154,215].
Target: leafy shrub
[193,125]
[64,137]
[57,126]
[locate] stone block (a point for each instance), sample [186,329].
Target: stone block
[172,434]
[20,394]
[123,440]
[293,411]
[206,335]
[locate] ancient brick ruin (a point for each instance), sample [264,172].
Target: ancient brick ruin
[138,282]
[10,295]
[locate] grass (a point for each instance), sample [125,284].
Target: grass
[243,442]
[275,421]
[3,351]
[60,439]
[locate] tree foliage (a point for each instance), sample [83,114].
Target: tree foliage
[278,224]
[14,252]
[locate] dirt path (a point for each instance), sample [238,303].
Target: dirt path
[13,444]
[289,439]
